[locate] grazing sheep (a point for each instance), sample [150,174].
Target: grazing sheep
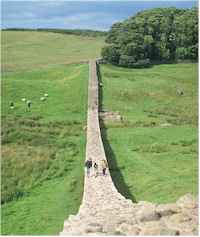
[23,99]
[179,92]
[12,105]
[46,95]
[42,98]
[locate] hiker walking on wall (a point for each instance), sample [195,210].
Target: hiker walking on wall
[95,169]
[104,166]
[88,165]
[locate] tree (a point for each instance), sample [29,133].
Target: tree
[126,61]
[164,34]
[111,54]
[148,46]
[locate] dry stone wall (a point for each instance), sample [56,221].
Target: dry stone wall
[104,211]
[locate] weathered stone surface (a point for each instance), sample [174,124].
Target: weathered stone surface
[91,228]
[181,223]
[147,212]
[187,201]
[126,229]
[167,209]
[156,228]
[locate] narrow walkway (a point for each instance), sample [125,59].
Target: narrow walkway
[100,195]
[104,211]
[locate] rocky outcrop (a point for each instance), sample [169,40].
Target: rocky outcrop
[104,211]
[110,116]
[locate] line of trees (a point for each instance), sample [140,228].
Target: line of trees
[89,33]
[160,34]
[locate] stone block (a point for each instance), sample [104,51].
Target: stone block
[167,209]
[187,201]
[147,212]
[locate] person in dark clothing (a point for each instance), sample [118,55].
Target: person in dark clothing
[88,165]
[95,169]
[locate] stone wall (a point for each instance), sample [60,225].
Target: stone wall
[104,211]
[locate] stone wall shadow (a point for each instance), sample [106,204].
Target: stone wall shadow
[115,172]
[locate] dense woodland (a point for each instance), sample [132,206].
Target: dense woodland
[160,34]
[90,33]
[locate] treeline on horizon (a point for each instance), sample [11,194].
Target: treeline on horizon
[156,35]
[82,32]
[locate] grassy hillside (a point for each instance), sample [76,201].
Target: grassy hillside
[43,149]
[27,50]
[154,148]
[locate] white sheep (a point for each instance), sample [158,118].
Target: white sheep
[24,99]
[42,98]
[46,95]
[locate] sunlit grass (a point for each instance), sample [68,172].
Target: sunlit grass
[43,149]
[26,50]
[155,146]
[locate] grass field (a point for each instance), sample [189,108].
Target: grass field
[43,149]
[32,50]
[154,149]
[152,153]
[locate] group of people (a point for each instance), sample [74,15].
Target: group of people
[95,167]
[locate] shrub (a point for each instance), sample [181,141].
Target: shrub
[126,61]
[142,63]
[129,61]
[181,53]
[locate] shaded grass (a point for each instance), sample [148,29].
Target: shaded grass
[155,145]
[43,149]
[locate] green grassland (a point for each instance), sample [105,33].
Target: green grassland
[154,149]
[32,50]
[43,149]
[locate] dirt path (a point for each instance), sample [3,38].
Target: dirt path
[104,211]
